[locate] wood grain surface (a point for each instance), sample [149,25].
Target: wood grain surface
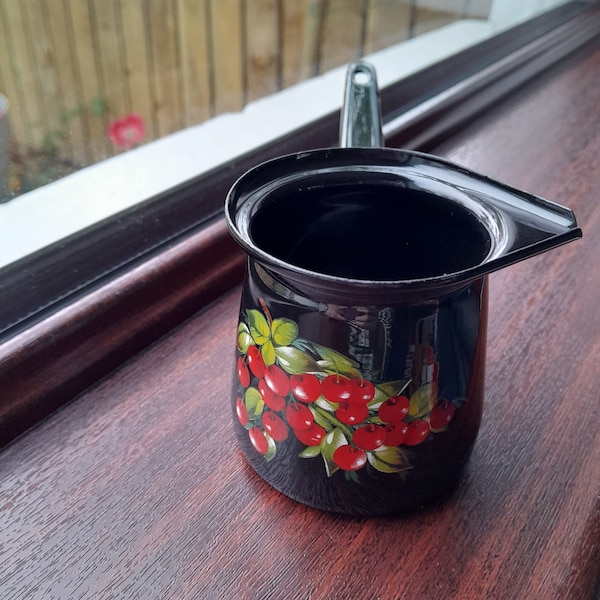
[46,365]
[137,490]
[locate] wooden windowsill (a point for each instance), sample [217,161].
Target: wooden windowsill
[56,359]
[137,489]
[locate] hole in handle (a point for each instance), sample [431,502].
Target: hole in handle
[362,78]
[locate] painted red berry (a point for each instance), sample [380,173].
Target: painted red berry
[336,388]
[441,415]
[395,433]
[243,373]
[348,458]
[272,400]
[369,437]
[394,409]
[306,388]
[417,432]
[298,416]
[258,439]
[277,379]
[274,426]
[362,391]
[351,414]
[256,362]
[311,436]
[241,411]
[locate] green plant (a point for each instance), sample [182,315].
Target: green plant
[31,167]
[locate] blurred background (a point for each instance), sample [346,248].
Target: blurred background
[82,80]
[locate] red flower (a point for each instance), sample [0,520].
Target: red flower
[128,131]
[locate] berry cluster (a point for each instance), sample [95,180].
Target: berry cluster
[320,397]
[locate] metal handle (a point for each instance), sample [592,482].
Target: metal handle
[360,122]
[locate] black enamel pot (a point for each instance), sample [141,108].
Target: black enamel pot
[361,342]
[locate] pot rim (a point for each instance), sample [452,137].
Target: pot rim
[503,211]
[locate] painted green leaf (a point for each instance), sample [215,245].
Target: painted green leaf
[271,449]
[386,390]
[328,420]
[332,368]
[375,419]
[284,332]
[310,452]
[389,460]
[268,353]
[244,339]
[421,402]
[305,345]
[254,403]
[258,326]
[308,348]
[392,388]
[326,405]
[334,360]
[293,360]
[330,443]
[320,419]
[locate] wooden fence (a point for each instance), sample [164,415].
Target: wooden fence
[70,67]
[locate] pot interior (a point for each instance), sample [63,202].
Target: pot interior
[370,227]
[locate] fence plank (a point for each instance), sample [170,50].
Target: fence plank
[9,65]
[85,55]
[387,23]
[193,51]
[108,38]
[45,78]
[342,34]
[294,19]
[262,48]
[165,66]
[427,18]
[72,123]
[313,32]
[227,55]
[25,72]
[136,62]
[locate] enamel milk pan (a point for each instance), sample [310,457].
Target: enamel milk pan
[360,359]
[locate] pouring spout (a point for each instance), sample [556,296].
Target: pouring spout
[360,122]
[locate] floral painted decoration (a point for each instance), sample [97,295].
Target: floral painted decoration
[128,131]
[295,387]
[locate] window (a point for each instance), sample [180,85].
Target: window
[179,62]
[80,301]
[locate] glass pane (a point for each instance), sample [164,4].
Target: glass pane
[83,80]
